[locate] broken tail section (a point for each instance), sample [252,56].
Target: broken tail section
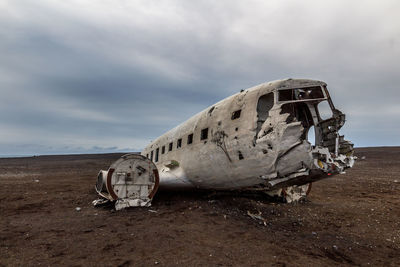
[131,181]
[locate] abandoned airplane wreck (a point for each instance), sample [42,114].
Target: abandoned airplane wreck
[270,138]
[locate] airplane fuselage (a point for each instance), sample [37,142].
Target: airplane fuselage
[255,139]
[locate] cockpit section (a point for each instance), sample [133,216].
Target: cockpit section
[288,122]
[303,105]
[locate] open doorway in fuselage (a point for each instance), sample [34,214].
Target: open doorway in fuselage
[264,105]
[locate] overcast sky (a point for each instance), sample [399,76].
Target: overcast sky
[103,76]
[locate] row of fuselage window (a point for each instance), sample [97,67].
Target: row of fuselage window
[203,136]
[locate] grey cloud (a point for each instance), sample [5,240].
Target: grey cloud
[139,68]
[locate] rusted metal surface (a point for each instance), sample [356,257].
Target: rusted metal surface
[130,181]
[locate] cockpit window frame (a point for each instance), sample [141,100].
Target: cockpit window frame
[323,90]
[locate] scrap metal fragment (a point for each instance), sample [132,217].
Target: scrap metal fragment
[257,217]
[127,183]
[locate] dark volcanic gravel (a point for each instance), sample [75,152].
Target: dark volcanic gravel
[351,219]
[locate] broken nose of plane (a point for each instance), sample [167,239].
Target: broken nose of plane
[330,163]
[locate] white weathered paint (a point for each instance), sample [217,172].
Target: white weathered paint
[276,156]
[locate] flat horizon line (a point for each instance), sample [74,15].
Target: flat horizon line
[126,152]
